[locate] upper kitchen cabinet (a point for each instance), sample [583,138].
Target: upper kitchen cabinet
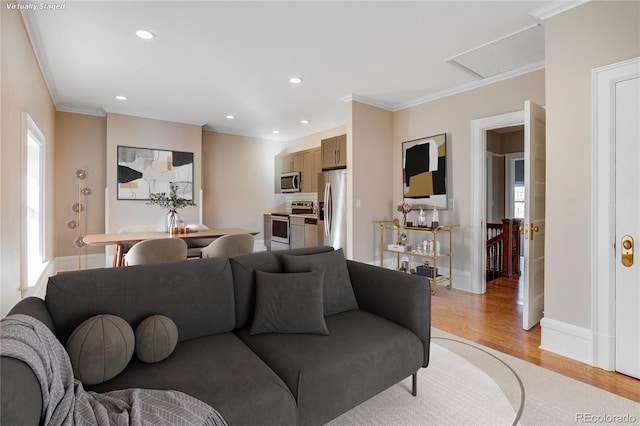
[311,167]
[307,162]
[334,152]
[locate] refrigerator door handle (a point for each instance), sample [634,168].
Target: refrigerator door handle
[328,209]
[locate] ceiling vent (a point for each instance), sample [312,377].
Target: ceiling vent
[515,51]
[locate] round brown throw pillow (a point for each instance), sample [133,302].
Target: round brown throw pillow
[100,348]
[156,338]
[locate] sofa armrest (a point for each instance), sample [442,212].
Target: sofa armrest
[34,307]
[20,395]
[402,298]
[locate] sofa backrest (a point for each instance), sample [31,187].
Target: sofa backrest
[244,277]
[196,294]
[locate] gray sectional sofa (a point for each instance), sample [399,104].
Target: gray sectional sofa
[250,375]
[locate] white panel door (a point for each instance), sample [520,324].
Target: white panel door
[534,227]
[627,181]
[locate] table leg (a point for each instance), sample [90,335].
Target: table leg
[118,256]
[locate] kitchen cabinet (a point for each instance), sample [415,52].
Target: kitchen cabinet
[296,232]
[267,231]
[334,152]
[308,162]
[311,166]
[310,232]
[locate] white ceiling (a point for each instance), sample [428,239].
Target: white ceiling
[214,58]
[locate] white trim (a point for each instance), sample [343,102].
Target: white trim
[555,8]
[478,223]
[602,210]
[567,340]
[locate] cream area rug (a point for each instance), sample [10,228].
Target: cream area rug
[469,384]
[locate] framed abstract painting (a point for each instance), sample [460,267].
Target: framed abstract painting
[424,171]
[142,171]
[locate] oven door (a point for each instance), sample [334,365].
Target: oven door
[280,229]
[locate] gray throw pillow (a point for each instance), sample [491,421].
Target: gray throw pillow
[100,348]
[337,289]
[156,338]
[289,303]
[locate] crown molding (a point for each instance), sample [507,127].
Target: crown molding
[555,8]
[470,86]
[37,46]
[363,100]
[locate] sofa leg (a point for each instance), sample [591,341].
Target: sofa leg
[414,390]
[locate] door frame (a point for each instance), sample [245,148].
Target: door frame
[603,255]
[478,222]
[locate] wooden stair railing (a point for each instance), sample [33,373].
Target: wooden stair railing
[503,249]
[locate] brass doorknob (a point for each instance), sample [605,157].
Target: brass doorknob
[535,229]
[626,244]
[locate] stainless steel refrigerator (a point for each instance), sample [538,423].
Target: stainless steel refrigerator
[332,210]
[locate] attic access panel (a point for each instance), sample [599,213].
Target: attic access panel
[515,51]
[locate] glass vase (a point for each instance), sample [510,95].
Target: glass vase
[173,220]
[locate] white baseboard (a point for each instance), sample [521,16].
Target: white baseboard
[87,261]
[567,340]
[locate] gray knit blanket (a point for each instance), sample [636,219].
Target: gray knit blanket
[65,402]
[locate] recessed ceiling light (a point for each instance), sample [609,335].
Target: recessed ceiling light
[295,80]
[304,121]
[121,98]
[231,117]
[276,131]
[145,34]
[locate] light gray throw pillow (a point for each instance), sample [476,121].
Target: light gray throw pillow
[289,303]
[337,290]
[156,338]
[100,348]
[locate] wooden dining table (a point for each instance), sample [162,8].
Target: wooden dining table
[120,239]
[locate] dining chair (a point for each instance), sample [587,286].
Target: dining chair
[195,245]
[156,251]
[229,246]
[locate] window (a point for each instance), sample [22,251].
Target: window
[34,187]
[518,201]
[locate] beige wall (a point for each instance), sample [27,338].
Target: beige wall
[589,36]
[147,133]
[453,115]
[237,175]
[313,141]
[80,144]
[369,183]
[23,90]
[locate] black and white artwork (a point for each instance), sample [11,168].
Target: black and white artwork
[142,171]
[424,166]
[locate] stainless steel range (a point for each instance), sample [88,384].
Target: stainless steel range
[280,229]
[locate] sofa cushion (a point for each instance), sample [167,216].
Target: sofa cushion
[289,303]
[156,338]
[184,291]
[362,355]
[100,348]
[338,293]
[244,277]
[221,371]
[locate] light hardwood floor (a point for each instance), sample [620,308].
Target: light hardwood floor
[494,319]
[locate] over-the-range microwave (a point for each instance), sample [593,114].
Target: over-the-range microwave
[290,182]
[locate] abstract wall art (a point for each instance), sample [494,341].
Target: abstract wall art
[142,171]
[424,166]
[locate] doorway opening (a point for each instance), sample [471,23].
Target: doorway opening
[505,207]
